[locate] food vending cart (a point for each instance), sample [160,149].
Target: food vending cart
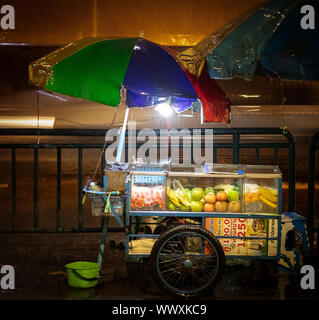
[188,219]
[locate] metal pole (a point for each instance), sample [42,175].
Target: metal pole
[58,190]
[102,244]
[14,189]
[80,213]
[311,184]
[35,190]
[236,147]
[120,146]
[291,171]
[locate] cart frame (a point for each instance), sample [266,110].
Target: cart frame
[287,258]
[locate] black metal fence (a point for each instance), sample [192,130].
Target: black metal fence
[233,142]
[313,147]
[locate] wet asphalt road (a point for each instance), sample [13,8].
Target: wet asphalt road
[257,281]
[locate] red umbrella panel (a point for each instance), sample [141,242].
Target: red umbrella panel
[216,105]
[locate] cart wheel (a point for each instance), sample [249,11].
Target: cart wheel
[187,261]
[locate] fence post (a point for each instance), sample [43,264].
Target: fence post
[35,189]
[291,170]
[13,190]
[80,216]
[58,189]
[311,184]
[236,147]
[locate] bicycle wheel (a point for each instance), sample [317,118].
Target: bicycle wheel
[187,261]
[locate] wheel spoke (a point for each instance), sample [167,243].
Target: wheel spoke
[171,275]
[169,270]
[205,259]
[169,265]
[182,244]
[205,272]
[166,260]
[198,245]
[179,278]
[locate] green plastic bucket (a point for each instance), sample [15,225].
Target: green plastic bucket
[83,274]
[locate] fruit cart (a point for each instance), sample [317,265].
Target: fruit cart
[188,219]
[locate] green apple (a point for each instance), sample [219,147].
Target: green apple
[232,195]
[196,206]
[197,194]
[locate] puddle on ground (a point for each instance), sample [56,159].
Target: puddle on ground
[258,281]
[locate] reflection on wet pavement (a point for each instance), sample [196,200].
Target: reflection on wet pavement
[257,281]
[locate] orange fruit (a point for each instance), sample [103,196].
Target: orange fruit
[234,206]
[210,198]
[221,196]
[208,207]
[221,206]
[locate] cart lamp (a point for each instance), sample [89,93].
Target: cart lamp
[164,109]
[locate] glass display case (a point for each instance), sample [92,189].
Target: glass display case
[206,188]
[262,189]
[239,204]
[148,187]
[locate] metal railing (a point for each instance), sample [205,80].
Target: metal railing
[313,147]
[233,143]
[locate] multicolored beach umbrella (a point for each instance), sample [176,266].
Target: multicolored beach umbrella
[268,40]
[97,69]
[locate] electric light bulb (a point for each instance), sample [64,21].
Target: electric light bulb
[164,109]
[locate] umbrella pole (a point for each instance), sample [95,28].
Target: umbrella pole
[122,137]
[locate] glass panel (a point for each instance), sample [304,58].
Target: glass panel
[174,167]
[261,195]
[148,192]
[262,169]
[212,167]
[204,193]
[225,168]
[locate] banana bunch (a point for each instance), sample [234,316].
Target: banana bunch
[172,196]
[178,197]
[183,197]
[268,196]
